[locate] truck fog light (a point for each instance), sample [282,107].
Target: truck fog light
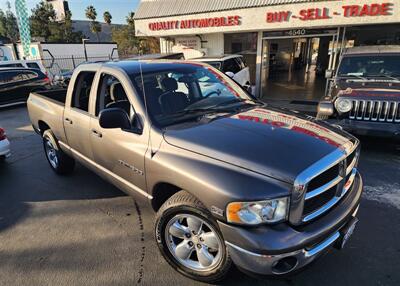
[343,105]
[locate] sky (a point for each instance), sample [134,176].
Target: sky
[119,9]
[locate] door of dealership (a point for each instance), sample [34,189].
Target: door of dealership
[294,64]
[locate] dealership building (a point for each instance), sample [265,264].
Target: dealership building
[287,44]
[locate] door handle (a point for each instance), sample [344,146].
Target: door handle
[97,133]
[68,120]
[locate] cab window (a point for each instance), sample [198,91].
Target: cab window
[83,86]
[112,94]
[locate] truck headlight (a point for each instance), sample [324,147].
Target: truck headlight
[253,213]
[343,105]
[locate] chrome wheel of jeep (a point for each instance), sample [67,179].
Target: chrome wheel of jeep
[51,153]
[193,242]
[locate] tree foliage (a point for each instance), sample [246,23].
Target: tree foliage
[8,24]
[95,26]
[107,17]
[129,44]
[45,25]
[43,21]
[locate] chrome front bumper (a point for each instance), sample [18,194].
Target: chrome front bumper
[267,264]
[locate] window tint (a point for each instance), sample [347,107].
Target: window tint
[83,86]
[111,94]
[6,77]
[231,65]
[33,65]
[16,76]
[11,66]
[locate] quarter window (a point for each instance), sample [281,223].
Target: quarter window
[33,66]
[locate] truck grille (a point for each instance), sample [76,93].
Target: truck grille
[321,189]
[375,110]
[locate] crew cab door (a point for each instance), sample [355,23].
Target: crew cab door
[77,117]
[121,153]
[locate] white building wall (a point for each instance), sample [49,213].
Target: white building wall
[194,46]
[214,44]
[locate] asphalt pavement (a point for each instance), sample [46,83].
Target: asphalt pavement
[80,230]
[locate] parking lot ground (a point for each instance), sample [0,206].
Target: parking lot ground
[80,230]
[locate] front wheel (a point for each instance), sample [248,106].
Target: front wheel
[60,162]
[190,239]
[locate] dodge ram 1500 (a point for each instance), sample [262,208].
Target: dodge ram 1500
[232,180]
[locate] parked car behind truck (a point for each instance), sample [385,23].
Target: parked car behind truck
[17,83]
[365,94]
[231,179]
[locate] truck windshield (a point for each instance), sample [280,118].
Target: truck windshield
[183,92]
[370,66]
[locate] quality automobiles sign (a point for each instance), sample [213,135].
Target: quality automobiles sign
[195,23]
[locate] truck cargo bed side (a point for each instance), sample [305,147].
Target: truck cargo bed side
[46,110]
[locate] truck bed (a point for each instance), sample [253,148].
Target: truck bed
[59,95]
[46,110]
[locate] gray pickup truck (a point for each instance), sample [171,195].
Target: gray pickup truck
[231,179]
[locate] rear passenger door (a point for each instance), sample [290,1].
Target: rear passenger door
[77,118]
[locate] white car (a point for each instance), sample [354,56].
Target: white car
[232,65]
[5,151]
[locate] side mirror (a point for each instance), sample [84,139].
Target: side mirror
[114,118]
[328,74]
[230,74]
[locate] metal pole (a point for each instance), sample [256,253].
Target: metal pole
[336,46]
[84,49]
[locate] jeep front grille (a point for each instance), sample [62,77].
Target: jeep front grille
[375,110]
[319,188]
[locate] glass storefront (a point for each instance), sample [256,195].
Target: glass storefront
[294,61]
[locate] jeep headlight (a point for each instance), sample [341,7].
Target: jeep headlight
[253,213]
[343,105]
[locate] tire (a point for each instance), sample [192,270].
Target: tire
[186,211]
[59,162]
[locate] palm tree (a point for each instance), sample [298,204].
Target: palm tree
[91,13]
[107,17]
[130,19]
[95,27]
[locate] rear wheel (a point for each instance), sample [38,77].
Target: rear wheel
[60,162]
[190,239]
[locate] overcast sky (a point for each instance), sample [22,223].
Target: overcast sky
[119,9]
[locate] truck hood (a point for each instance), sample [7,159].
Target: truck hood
[268,141]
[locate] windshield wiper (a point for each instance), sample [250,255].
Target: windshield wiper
[356,76]
[389,76]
